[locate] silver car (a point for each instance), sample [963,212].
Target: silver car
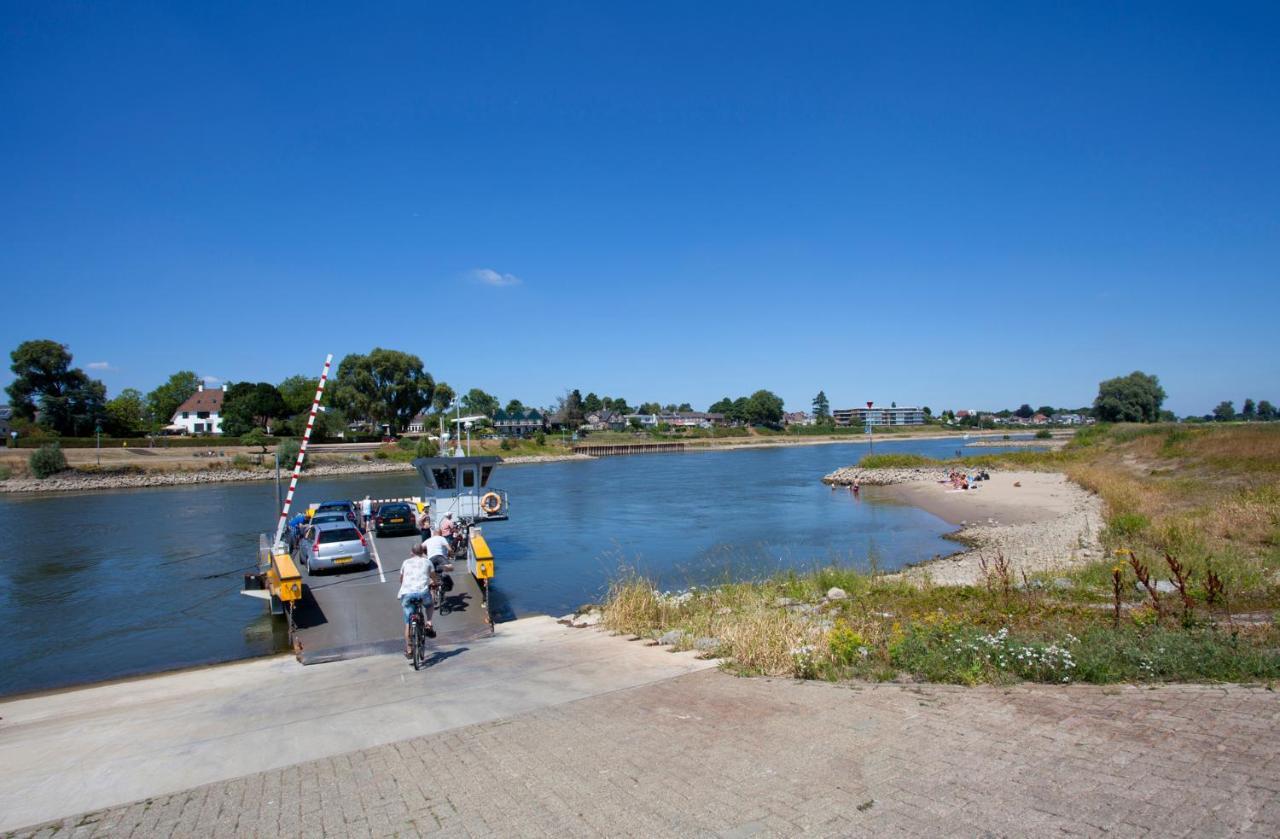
[334,545]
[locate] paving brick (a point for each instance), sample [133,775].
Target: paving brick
[707,754]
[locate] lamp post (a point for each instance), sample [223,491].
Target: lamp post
[97,429]
[871,440]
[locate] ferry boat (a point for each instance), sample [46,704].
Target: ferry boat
[351,613]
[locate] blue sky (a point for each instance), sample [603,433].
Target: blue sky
[958,205]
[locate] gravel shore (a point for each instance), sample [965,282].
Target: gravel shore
[70,481]
[1040,521]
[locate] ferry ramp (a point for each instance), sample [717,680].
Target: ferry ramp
[348,614]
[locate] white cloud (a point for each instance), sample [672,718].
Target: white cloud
[490,277]
[100,365]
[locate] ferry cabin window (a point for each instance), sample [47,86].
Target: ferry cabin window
[443,476]
[468,477]
[484,475]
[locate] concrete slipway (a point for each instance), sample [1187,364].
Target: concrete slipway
[79,750]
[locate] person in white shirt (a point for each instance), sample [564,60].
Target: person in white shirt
[437,549]
[417,573]
[366,510]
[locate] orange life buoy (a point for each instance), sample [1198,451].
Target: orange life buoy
[491,503]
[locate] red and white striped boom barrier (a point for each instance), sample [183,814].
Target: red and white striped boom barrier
[302,449]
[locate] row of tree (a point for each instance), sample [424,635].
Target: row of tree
[1263,411]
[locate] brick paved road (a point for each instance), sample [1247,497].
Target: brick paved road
[709,754]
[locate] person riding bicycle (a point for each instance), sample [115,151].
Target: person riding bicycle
[417,575]
[438,550]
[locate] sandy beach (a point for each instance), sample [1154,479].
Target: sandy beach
[1040,521]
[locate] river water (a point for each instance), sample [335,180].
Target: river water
[106,584]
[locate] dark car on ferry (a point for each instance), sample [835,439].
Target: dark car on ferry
[335,507]
[395,518]
[334,545]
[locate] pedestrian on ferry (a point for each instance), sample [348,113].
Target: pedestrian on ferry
[424,521]
[449,530]
[366,512]
[416,576]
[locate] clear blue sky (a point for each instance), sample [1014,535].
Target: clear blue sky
[951,204]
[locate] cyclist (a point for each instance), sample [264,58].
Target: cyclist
[438,550]
[417,574]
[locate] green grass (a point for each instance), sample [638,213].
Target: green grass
[960,635]
[898,461]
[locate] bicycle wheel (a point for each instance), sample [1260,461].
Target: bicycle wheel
[415,640]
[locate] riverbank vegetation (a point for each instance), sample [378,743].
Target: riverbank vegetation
[1190,589]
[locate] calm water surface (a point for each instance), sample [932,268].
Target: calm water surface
[99,585]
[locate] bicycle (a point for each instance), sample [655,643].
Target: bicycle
[418,633]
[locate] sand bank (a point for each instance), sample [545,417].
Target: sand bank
[1040,521]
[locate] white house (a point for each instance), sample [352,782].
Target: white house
[201,413]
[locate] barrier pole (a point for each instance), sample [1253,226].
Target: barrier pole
[302,449]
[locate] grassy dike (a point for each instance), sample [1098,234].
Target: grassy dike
[1194,511]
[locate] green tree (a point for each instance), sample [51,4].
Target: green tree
[1249,412]
[255,437]
[765,408]
[298,392]
[1046,410]
[515,406]
[385,387]
[1024,411]
[650,408]
[821,407]
[69,401]
[1225,411]
[684,408]
[127,413]
[1136,397]
[163,402]
[476,401]
[620,405]
[1266,411]
[723,406]
[330,422]
[573,413]
[247,406]
[591,403]
[442,398]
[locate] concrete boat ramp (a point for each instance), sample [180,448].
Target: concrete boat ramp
[78,750]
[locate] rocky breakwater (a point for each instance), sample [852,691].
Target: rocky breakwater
[850,475]
[72,481]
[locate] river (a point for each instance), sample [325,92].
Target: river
[100,585]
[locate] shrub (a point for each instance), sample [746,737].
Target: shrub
[896,461]
[540,438]
[505,445]
[1043,434]
[381,454]
[847,645]
[288,452]
[5,472]
[47,460]
[426,448]
[243,462]
[408,443]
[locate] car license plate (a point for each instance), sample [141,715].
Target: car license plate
[397,521]
[339,560]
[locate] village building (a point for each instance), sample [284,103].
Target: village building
[797,418]
[518,423]
[201,413]
[878,415]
